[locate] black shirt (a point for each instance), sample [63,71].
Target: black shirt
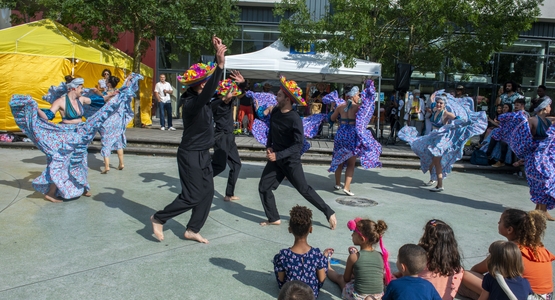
[245,100]
[198,132]
[286,134]
[223,116]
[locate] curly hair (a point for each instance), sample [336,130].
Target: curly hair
[529,227]
[300,220]
[113,81]
[371,230]
[441,248]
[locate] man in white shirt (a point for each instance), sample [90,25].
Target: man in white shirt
[163,91]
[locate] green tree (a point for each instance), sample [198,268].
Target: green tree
[187,24]
[420,32]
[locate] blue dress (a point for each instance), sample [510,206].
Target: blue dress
[538,154]
[65,145]
[355,139]
[447,140]
[301,267]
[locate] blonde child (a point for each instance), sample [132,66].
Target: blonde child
[504,280]
[444,269]
[301,261]
[367,265]
[525,230]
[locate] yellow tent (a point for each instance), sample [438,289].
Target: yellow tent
[36,55]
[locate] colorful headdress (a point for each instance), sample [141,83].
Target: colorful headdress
[75,83]
[197,73]
[292,90]
[225,85]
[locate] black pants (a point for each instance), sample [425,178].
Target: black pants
[197,189]
[225,152]
[503,145]
[273,175]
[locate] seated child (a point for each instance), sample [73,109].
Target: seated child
[301,261]
[505,269]
[367,266]
[444,269]
[411,261]
[296,290]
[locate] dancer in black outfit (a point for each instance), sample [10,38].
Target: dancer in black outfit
[193,158]
[225,149]
[283,151]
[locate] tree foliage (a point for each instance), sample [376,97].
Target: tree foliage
[188,24]
[420,32]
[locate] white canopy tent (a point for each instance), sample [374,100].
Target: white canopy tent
[276,60]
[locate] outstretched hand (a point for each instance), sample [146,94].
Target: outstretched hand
[220,51]
[236,76]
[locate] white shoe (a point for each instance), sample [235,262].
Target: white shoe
[171,128]
[429,183]
[437,189]
[162,128]
[348,193]
[338,186]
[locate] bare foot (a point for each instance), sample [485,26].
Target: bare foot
[121,167]
[195,237]
[157,228]
[105,171]
[52,199]
[231,198]
[87,193]
[548,216]
[266,223]
[333,222]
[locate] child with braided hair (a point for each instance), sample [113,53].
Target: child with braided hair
[526,229]
[301,261]
[366,270]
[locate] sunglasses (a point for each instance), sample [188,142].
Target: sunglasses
[106,74]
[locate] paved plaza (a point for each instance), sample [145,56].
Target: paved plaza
[102,247]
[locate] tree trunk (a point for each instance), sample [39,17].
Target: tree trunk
[137,69]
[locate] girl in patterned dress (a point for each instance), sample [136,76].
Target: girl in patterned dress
[367,270]
[301,261]
[112,131]
[353,139]
[533,140]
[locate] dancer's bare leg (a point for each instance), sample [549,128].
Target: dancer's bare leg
[543,209]
[120,158]
[338,174]
[350,172]
[439,171]
[266,223]
[51,195]
[106,165]
[157,228]
[190,235]
[333,222]
[231,198]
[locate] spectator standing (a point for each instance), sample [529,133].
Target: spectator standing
[509,94]
[415,106]
[103,83]
[245,108]
[163,91]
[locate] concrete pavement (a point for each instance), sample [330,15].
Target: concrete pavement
[102,247]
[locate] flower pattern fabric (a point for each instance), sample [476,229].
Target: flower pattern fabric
[302,267]
[538,155]
[65,145]
[356,140]
[447,141]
